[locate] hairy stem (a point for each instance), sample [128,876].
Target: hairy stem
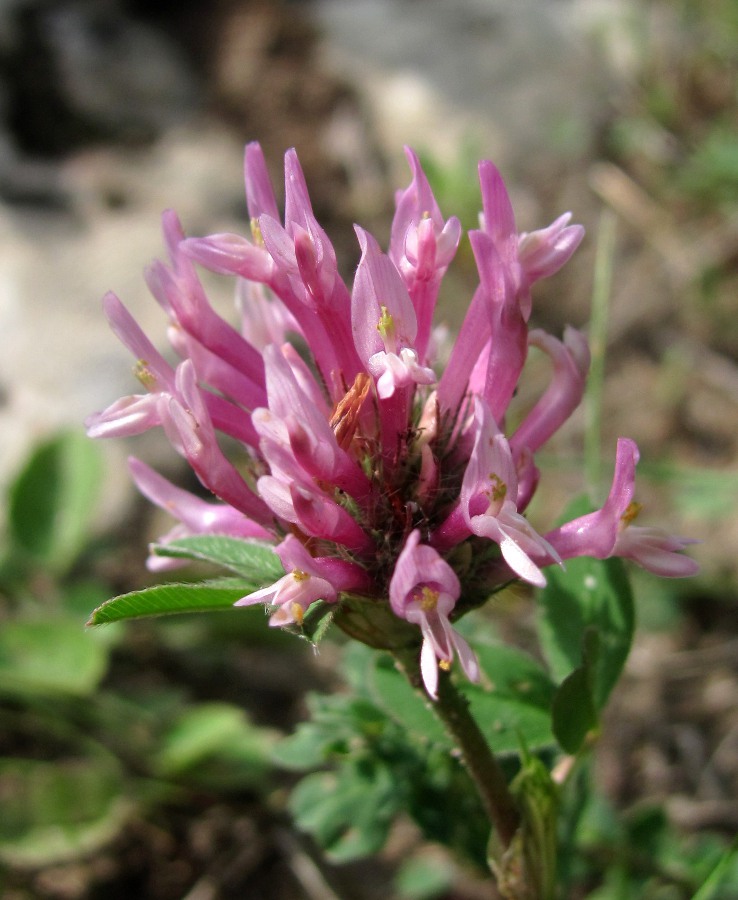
[452,708]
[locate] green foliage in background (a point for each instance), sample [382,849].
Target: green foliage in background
[80,758]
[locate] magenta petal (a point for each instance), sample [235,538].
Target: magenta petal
[279,244]
[542,253]
[378,285]
[189,428]
[155,370]
[198,516]
[126,417]
[297,205]
[419,564]
[424,589]
[499,219]
[595,534]
[259,192]
[230,254]
[564,393]
[656,550]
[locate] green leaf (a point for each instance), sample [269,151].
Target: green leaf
[719,883]
[372,744]
[424,877]
[255,562]
[304,749]
[216,744]
[589,594]
[338,726]
[348,812]
[51,656]
[574,710]
[52,501]
[512,702]
[163,599]
[392,693]
[58,811]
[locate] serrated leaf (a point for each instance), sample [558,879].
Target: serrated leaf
[50,656]
[52,501]
[257,563]
[58,811]
[349,812]
[165,599]
[587,594]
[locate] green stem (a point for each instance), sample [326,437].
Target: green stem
[452,708]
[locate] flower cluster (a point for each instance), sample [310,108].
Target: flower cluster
[374,473]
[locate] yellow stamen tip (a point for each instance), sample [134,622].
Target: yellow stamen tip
[256,233]
[427,598]
[144,374]
[298,613]
[631,512]
[386,324]
[497,489]
[444,664]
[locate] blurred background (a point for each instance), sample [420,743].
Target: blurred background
[118,775]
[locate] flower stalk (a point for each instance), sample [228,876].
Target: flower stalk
[451,707]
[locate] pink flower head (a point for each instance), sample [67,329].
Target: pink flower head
[424,590]
[317,423]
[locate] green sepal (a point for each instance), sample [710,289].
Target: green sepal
[315,623]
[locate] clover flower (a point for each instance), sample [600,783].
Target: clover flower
[368,467]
